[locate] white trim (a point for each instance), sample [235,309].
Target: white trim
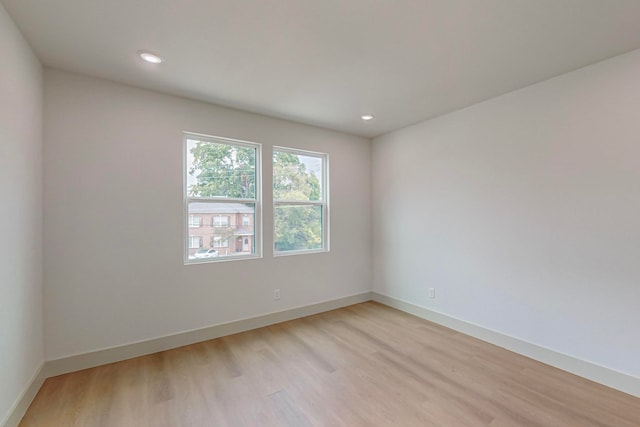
[277,254]
[290,150]
[222,139]
[19,408]
[591,371]
[327,210]
[222,200]
[115,354]
[298,202]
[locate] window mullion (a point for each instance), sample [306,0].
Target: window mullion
[297,203]
[219,199]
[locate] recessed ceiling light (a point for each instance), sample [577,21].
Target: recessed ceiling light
[367,117]
[150,57]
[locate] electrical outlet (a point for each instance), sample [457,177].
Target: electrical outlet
[432,293]
[276,294]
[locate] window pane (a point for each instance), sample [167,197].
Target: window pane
[297,177]
[221,220]
[195,242]
[220,170]
[227,234]
[298,227]
[194,221]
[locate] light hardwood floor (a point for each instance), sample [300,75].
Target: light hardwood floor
[364,365]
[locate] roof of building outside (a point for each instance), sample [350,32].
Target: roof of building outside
[220,208]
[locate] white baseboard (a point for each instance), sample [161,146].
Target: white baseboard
[588,370]
[78,362]
[128,351]
[24,400]
[600,374]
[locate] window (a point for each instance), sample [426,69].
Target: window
[220,221]
[195,221]
[222,181]
[300,201]
[246,221]
[195,242]
[218,242]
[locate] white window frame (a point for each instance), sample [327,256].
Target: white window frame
[324,202]
[257,201]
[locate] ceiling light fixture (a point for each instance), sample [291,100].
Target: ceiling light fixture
[366,117]
[150,57]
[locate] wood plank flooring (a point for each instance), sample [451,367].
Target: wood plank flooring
[364,365]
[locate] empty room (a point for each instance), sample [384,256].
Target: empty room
[333,213]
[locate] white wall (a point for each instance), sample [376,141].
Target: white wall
[524,213]
[21,342]
[114,228]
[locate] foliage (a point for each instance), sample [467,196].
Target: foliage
[297,227]
[291,180]
[223,170]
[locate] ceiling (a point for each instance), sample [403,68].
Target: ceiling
[328,62]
